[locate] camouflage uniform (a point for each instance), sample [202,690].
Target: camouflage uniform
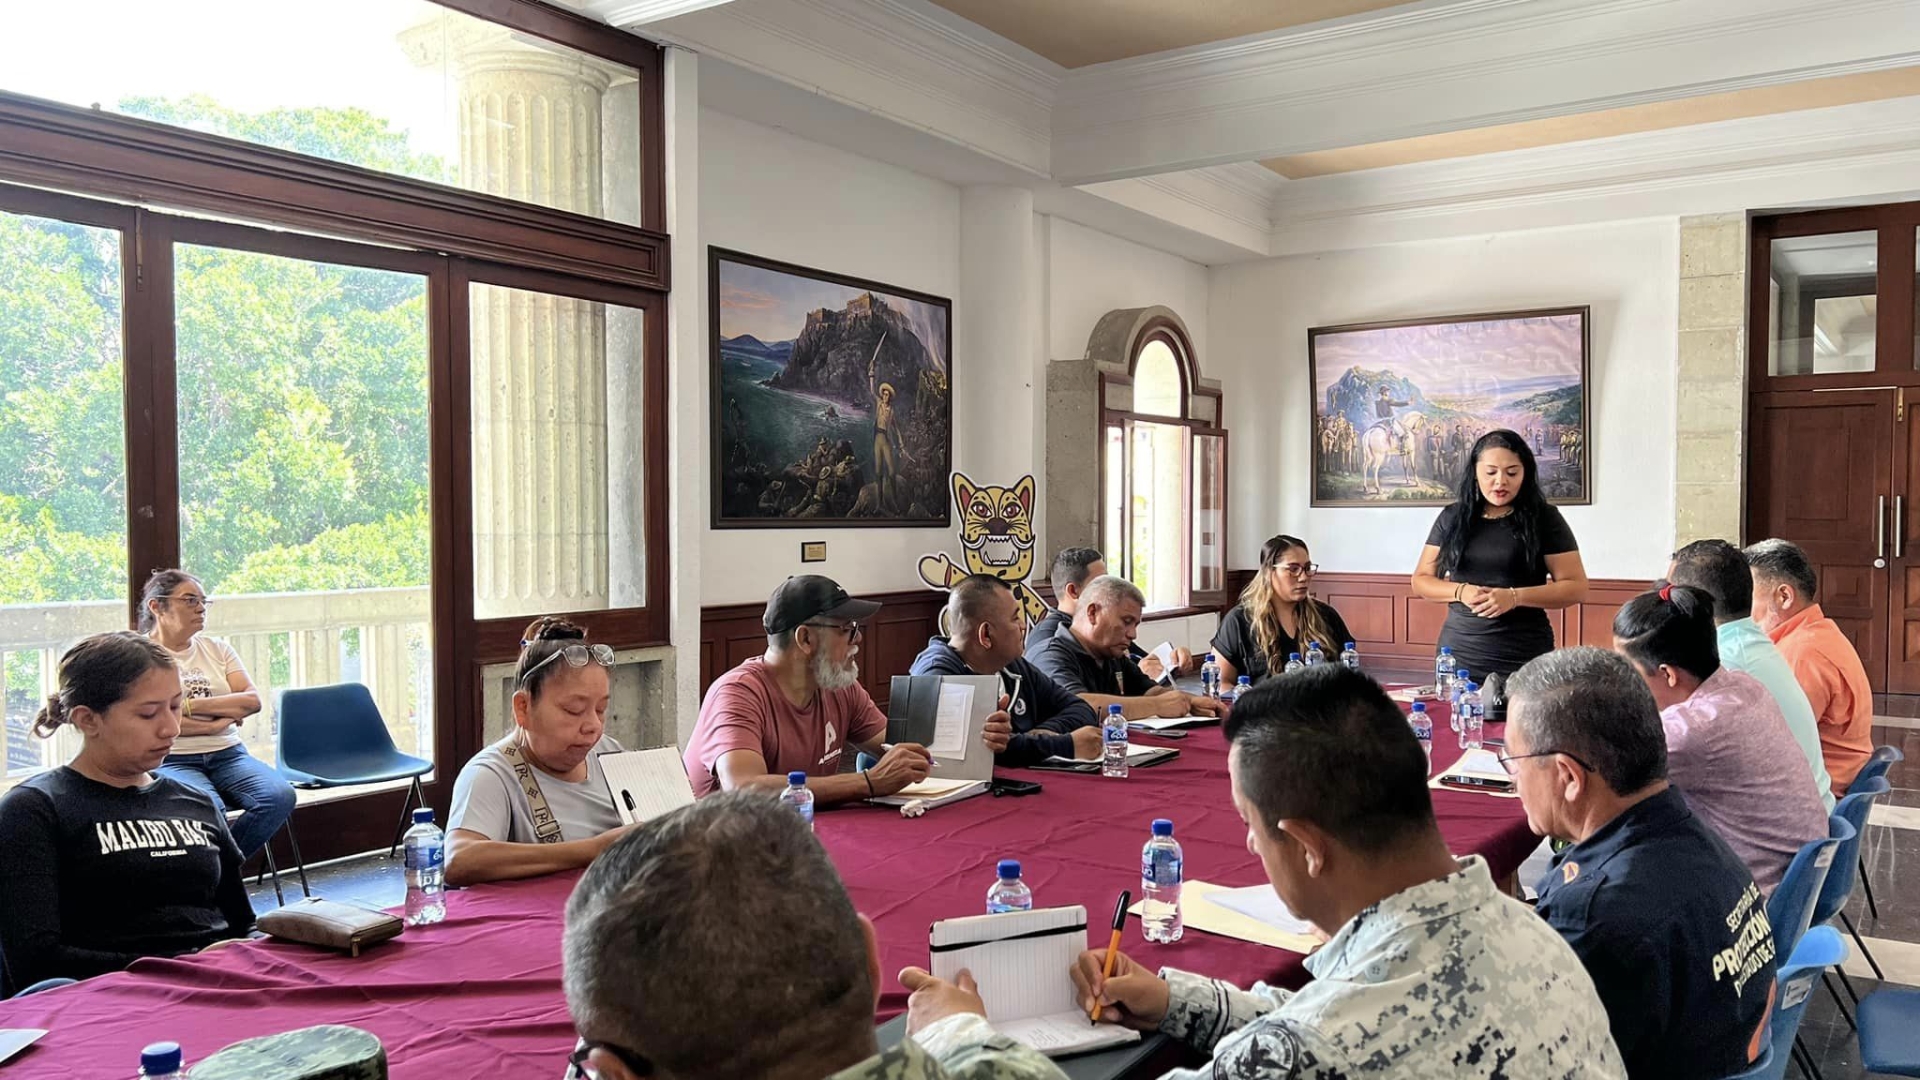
[327,1052]
[1446,979]
[959,1047]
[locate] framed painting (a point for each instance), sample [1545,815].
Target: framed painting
[1397,406]
[832,398]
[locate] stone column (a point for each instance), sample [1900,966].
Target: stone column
[1712,378]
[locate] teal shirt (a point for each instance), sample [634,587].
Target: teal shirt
[1745,647]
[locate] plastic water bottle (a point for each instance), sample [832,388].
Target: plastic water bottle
[1460,680]
[799,796]
[1113,743]
[1210,678]
[426,857]
[1350,657]
[1240,687]
[1293,664]
[1160,868]
[1009,893]
[163,1059]
[1422,730]
[1315,654]
[1473,717]
[1444,671]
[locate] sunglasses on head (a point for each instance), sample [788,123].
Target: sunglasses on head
[576,656]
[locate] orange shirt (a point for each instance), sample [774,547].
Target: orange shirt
[1829,671]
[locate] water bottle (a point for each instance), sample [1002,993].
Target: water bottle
[426,856]
[1460,680]
[1422,730]
[1443,674]
[1113,743]
[1240,687]
[1293,664]
[1009,893]
[1350,657]
[1315,654]
[1160,884]
[799,796]
[1210,678]
[1473,717]
[163,1059]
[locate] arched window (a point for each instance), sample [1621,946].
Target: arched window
[1163,472]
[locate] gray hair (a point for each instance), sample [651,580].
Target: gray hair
[718,940]
[1591,704]
[967,603]
[1783,561]
[1108,590]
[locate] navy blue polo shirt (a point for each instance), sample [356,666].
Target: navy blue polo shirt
[1044,716]
[1674,933]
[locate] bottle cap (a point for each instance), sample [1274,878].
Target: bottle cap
[1461,674]
[1009,869]
[1293,656]
[796,778]
[1162,827]
[1244,680]
[1420,706]
[1445,651]
[1114,710]
[1209,658]
[423,815]
[1349,644]
[160,1058]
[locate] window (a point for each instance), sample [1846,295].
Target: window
[1824,307]
[1163,461]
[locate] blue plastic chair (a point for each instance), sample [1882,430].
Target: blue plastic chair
[1890,1032]
[1820,950]
[45,985]
[1790,908]
[1881,760]
[1760,1070]
[333,736]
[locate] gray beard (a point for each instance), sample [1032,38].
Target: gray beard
[828,677]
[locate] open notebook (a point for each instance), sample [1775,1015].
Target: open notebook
[646,783]
[1138,757]
[1021,962]
[934,792]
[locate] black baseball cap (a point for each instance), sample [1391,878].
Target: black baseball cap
[809,596]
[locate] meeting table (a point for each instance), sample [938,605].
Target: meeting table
[480,994]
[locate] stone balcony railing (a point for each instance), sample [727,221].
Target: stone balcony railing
[374,636]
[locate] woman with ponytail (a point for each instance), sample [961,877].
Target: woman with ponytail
[536,802]
[108,861]
[1277,615]
[1728,747]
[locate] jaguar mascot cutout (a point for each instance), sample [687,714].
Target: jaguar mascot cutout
[996,538]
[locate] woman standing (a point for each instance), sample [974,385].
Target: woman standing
[220,696]
[1277,615]
[1501,557]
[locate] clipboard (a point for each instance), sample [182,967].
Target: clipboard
[946,714]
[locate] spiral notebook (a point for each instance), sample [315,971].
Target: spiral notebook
[646,784]
[1021,961]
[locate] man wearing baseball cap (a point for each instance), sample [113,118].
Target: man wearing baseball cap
[797,707]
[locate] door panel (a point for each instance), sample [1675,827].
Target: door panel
[1903,646]
[1824,472]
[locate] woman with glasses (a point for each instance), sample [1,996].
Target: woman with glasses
[536,802]
[1729,749]
[220,697]
[1500,557]
[1277,615]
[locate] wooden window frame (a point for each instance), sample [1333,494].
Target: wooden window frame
[1897,229]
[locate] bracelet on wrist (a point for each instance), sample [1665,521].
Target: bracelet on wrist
[869,775]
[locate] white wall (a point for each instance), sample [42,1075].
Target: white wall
[1257,325]
[1091,273]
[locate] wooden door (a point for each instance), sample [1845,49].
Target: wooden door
[1903,555]
[1822,477]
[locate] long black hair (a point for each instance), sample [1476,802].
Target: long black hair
[1671,625]
[1528,505]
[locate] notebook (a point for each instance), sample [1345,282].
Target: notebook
[945,714]
[1020,961]
[1160,723]
[1481,772]
[935,792]
[646,784]
[1138,757]
[1245,915]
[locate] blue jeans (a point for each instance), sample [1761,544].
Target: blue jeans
[236,780]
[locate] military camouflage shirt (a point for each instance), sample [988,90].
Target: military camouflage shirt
[1446,979]
[961,1047]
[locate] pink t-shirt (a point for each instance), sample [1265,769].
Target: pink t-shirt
[745,710]
[1730,752]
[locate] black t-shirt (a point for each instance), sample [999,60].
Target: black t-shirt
[1671,927]
[1235,642]
[1044,716]
[1077,671]
[1495,558]
[99,876]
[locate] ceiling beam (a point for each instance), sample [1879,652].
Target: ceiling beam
[1450,65]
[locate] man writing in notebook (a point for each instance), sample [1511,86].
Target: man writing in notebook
[800,705]
[736,889]
[1430,970]
[985,639]
[1088,657]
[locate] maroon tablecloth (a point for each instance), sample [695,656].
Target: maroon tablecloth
[479,994]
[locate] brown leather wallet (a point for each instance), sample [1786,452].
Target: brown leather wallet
[331,924]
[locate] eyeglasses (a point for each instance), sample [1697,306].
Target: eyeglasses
[1507,760]
[853,629]
[576,656]
[1297,569]
[577,1061]
[192,603]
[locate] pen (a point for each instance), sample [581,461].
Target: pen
[627,796]
[1113,949]
[887,746]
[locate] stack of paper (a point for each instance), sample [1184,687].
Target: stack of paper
[1477,765]
[1255,913]
[1170,724]
[934,791]
[1021,961]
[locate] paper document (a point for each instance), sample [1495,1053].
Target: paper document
[933,787]
[1163,652]
[1161,723]
[1134,753]
[1262,903]
[1021,961]
[1200,911]
[14,1040]
[1479,763]
[950,720]
[646,784]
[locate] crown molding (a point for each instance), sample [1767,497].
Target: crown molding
[1818,155]
[1449,65]
[1217,203]
[631,13]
